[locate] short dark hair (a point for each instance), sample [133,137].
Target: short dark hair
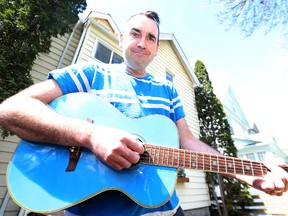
[153,15]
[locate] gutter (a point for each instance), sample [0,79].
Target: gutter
[67,44]
[86,25]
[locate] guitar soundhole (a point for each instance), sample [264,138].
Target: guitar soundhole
[138,164]
[140,138]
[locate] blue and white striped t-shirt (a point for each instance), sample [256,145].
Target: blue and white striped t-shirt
[133,97]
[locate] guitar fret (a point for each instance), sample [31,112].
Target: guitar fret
[214,164]
[203,161]
[218,163]
[234,166]
[184,153]
[221,164]
[163,155]
[210,162]
[248,168]
[173,157]
[178,158]
[243,167]
[252,168]
[190,160]
[157,154]
[168,156]
[199,161]
[230,166]
[262,172]
[152,154]
[226,165]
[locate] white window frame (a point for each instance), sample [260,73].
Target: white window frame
[108,47]
[170,75]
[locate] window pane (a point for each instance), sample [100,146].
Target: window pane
[250,156]
[169,77]
[117,59]
[103,53]
[261,156]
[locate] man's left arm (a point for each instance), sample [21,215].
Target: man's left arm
[275,182]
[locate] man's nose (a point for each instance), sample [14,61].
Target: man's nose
[142,42]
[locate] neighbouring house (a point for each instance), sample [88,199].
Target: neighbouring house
[256,146]
[91,38]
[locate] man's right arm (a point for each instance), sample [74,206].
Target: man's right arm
[28,115]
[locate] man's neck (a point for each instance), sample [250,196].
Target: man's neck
[137,73]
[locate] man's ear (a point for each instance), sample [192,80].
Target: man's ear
[120,40]
[158,45]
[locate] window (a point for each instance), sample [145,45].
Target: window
[106,55]
[231,130]
[230,125]
[169,77]
[250,156]
[261,155]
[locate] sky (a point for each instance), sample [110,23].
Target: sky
[255,67]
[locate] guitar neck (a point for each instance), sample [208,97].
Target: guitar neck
[181,158]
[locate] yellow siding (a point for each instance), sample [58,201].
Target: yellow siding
[7,148]
[88,48]
[46,62]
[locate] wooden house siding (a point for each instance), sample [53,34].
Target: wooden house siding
[7,149]
[47,62]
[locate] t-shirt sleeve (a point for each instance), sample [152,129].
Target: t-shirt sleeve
[74,78]
[177,105]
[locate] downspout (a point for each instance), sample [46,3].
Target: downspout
[67,44]
[4,203]
[86,25]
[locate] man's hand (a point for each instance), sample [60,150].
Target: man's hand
[275,182]
[116,148]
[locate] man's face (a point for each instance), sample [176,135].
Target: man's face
[139,42]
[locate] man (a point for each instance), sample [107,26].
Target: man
[132,90]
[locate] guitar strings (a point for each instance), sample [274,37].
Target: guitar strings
[180,158]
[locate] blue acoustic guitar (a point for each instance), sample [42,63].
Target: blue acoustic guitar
[43,177]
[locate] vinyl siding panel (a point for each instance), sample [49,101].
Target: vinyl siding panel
[7,149]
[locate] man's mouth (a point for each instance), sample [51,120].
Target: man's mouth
[140,51]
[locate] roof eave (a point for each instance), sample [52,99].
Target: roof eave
[182,56]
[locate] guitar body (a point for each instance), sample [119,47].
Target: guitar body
[36,176]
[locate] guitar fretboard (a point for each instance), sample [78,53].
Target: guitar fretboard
[180,158]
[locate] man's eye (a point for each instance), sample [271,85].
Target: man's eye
[151,38]
[135,34]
